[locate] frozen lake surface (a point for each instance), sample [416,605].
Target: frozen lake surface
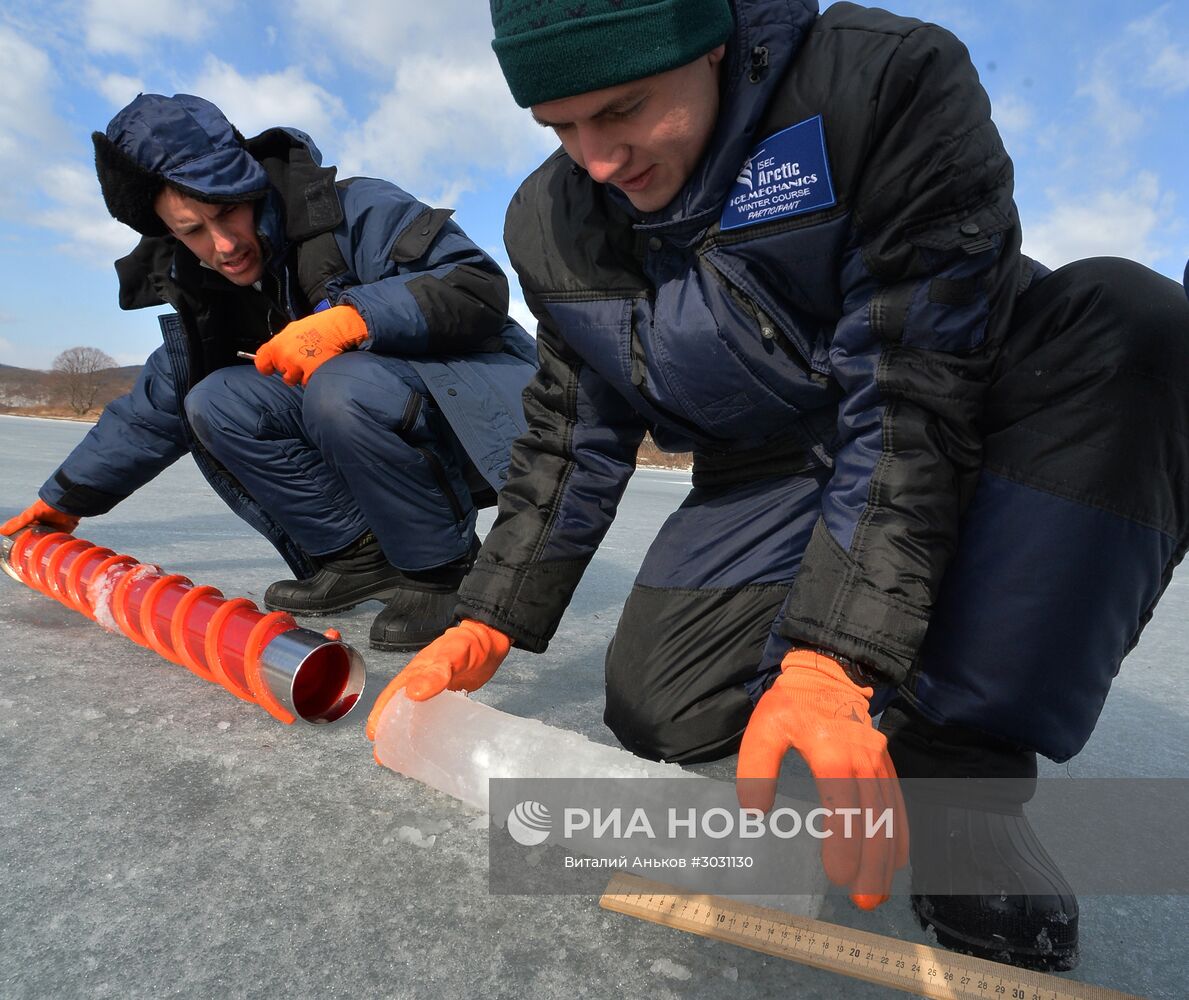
[160,838]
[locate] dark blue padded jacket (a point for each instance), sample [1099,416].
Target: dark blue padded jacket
[427,293]
[830,289]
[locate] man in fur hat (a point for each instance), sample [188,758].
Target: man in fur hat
[386,387]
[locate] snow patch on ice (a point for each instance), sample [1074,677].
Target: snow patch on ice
[411,835]
[670,970]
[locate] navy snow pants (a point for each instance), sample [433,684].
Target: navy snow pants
[1080,515]
[361,446]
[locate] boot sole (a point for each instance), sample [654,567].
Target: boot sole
[400,647]
[337,609]
[1057,960]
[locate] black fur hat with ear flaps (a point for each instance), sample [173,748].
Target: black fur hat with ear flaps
[128,189]
[181,141]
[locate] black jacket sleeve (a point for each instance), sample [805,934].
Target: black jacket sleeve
[568,473]
[424,286]
[928,285]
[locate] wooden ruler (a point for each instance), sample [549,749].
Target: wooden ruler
[914,968]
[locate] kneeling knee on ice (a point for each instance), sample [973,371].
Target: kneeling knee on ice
[671,721]
[1141,318]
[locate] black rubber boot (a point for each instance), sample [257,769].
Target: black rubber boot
[422,608]
[358,573]
[980,876]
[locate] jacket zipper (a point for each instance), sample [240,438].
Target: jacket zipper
[767,326]
[640,380]
[770,332]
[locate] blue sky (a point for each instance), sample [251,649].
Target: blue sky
[1091,98]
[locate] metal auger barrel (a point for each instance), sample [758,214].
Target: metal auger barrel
[265,658]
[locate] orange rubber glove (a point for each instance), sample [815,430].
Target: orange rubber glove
[40,513]
[307,344]
[815,709]
[462,658]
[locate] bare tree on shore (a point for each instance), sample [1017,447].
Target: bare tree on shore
[78,373]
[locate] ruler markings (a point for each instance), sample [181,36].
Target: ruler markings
[876,958]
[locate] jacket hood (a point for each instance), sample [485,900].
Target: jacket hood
[183,141]
[299,200]
[767,36]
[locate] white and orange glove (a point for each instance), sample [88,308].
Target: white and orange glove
[40,512]
[462,658]
[308,343]
[815,709]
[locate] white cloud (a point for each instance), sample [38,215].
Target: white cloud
[447,116]
[1143,58]
[77,212]
[29,79]
[375,32]
[28,125]
[1169,70]
[446,119]
[1116,113]
[1165,62]
[520,312]
[1099,161]
[119,89]
[1013,115]
[127,27]
[1119,222]
[254,103]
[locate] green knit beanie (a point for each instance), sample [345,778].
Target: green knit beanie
[549,49]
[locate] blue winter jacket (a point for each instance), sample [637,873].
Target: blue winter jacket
[829,290]
[426,292]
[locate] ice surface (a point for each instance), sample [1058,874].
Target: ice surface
[457,745]
[203,902]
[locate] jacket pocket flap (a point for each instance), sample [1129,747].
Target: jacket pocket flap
[416,238]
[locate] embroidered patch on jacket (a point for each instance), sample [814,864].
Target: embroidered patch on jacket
[788,174]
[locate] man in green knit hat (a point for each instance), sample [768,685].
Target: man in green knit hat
[932,478]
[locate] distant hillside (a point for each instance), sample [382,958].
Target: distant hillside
[35,393]
[651,457]
[39,393]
